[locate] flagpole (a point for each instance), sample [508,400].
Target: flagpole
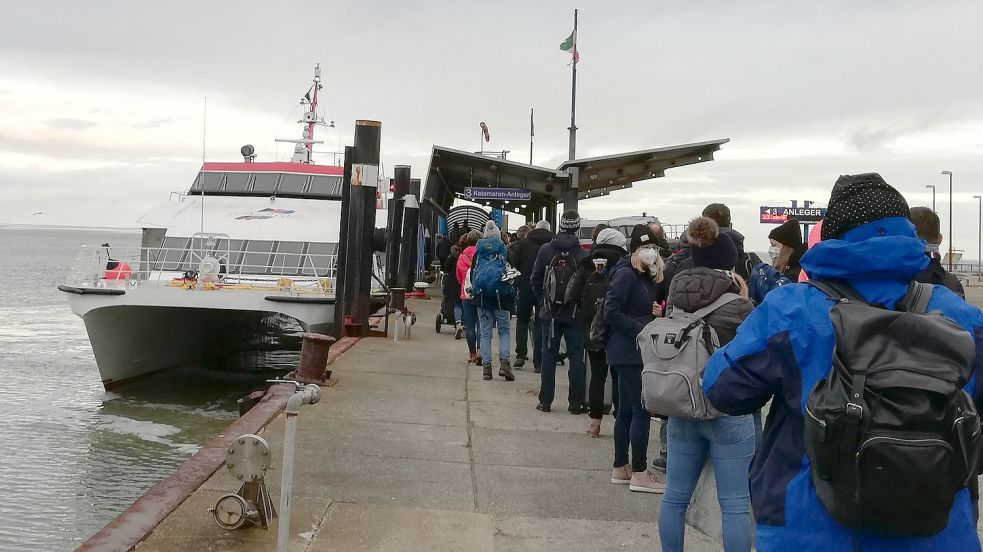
[573,95]
[570,197]
[532,133]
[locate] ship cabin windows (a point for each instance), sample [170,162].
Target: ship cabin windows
[265,183]
[297,185]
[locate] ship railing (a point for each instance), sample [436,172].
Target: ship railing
[159,267]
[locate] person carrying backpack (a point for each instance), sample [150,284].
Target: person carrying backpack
[711,285]
[469,310]
[526,308]
[556,264]
[634,298]
[591,285]
[869,448]
[494,296]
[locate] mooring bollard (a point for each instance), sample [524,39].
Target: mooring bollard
[314,359]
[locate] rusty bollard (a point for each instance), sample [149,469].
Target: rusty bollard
[314,359]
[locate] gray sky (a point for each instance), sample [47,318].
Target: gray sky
[101,104]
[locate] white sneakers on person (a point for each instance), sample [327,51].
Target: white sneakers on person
[646,482]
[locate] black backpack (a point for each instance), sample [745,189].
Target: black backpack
[592,301]
[890,434]
[559,272]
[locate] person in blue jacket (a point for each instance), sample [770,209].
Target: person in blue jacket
[785,347]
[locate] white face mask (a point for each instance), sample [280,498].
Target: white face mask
[774,251]
[648,256]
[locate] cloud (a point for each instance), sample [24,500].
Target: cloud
[155,123]
[71,124]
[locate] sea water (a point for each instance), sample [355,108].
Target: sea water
[73,456]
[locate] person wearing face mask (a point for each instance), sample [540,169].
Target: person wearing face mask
[786,249]
[634,298]
[729,441]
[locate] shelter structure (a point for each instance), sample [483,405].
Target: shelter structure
[535,191]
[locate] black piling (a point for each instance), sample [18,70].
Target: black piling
[406,275]
[401,186]
[344,271]
[364,184]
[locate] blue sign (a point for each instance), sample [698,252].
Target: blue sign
[503,194]
[496,216]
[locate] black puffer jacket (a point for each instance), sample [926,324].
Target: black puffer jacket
[696,288]
[524,257]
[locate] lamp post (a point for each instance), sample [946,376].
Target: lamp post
[949,173]
[979,242]
[932,186]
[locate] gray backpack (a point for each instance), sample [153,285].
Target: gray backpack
[675,349]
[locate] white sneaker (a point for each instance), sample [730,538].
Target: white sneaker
[646,482]
[621,475]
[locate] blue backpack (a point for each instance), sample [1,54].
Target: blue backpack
[487,271]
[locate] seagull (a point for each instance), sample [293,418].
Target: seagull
[38,213]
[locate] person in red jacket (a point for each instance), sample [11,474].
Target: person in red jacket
[469,309]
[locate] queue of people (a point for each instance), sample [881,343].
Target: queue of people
[871,442]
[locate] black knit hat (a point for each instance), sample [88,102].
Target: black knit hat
[859,199]
[570,221]
[788,234]
[640,235]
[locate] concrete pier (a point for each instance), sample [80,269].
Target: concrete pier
[411,450]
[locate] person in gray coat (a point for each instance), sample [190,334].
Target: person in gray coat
[729,441]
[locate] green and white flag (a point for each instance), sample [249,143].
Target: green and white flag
[570,45]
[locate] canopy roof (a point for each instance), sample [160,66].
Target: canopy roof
[451,171]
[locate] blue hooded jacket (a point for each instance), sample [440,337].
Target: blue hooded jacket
[785,347]
[486,248]
[627,309]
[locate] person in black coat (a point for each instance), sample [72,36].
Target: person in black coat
[590,284]
[928,227]
[634,298]
[524,260]
[561,323]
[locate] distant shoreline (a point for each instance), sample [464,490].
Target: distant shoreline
[12,226]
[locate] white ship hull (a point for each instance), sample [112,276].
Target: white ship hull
[146,330]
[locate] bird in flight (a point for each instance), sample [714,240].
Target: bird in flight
[38,213]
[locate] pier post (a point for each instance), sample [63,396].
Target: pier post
[406,275]
[401,186]
[361,227]
[344,271]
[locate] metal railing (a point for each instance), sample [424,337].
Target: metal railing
[197,269]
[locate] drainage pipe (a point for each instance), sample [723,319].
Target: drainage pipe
[308,394]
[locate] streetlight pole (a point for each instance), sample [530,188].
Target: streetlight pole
[932,186]
[979,243]
[949,173]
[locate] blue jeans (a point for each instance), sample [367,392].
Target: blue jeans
[458,311]
[470,324]
[631,425]
[729,440]
[573,334]
[488,318]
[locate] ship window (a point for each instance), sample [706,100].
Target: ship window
[265,183]
[256,259]
[292,183]
[173,252]
[235,253]
[320,260]
[213,181]
[287,259]
[326,186]
[237,182]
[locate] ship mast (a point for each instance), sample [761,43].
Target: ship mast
[304,147]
